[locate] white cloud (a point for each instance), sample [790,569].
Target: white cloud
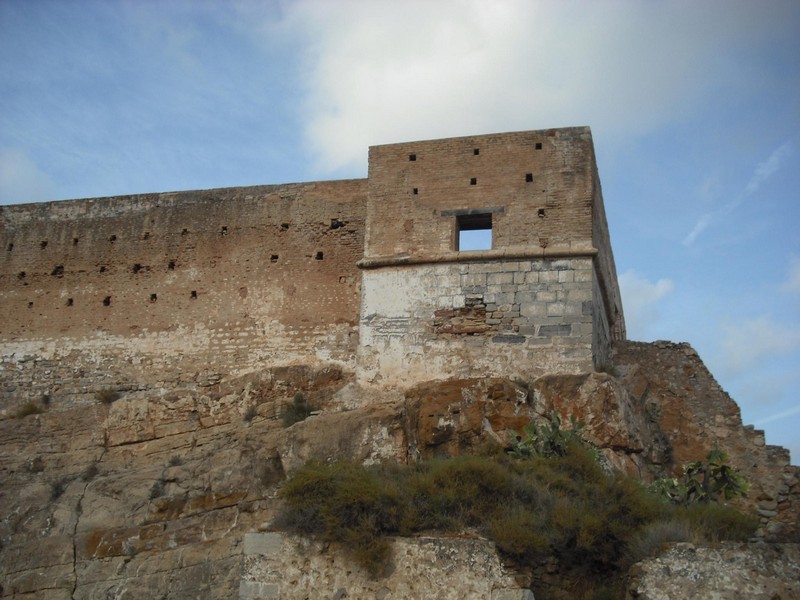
[779,416]
[751,341]
[383,71]
[792,283]
[763,171]
[21,180]
[768,167]
[640,298]
[702,224]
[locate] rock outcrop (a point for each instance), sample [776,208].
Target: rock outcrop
[727,572]
[154,493]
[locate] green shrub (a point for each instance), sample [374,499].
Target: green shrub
[29,408]
[158,489]
[298,410]
[703,482]
[564,508]
[58,487]
[107,396]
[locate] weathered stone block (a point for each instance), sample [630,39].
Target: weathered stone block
[265,544]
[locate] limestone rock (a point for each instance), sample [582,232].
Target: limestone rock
[730,571]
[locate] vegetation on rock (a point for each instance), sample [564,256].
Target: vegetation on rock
[554,504]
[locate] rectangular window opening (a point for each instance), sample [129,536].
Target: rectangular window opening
[474,232]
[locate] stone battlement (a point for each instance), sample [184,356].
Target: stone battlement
[153,288]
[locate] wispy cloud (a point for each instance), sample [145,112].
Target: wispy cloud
[640,299]
[751,341]
[763,171]
[779,416]
[767,168]
[702,224]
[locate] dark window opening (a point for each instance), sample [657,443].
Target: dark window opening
[107,301]
[30,304]
[318,256]
[538,145]
[528,177]
[74,241]
[112,239]
[223,230]
[70,302]
[136,268]
[473,181]
[476,151]
[194,295]
[541,212]
[153,297]
[43,244]
[102,269]
[412,157]
[336,223]
[22,275]
[415,191]
[274,258]
[474,232]
[184,231]
[284,226]
[10,247]
[171,265]
[146,235]
[58,271]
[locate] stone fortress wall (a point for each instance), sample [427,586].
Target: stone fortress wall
[167,288]
[543,299]
[185,287]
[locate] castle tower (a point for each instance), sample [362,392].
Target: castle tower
[538,295]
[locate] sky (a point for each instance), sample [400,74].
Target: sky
[694,109]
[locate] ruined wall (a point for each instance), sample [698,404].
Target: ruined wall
[696,415]
[172,287]
[493,318]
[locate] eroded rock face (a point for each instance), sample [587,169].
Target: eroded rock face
[696,415]
[292,568]
[725,572]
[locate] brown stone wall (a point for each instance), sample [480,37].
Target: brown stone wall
[696,415]
[163,286]
[411,202]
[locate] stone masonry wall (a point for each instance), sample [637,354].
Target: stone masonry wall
[538,185]
[500,318]
[175,287]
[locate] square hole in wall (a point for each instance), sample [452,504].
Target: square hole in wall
[538,145]
[473,181]
[476,151]
[528,177]
[474,232]
[412,157]
[415,191]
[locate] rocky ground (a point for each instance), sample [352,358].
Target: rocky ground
[153,493]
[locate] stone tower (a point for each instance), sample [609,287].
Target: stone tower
[540,297]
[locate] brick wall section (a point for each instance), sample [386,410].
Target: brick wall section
[559,299]
[404,222]
[164,286]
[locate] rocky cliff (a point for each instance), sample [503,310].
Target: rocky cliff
[163,492]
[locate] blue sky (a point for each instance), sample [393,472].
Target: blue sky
[694,107]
